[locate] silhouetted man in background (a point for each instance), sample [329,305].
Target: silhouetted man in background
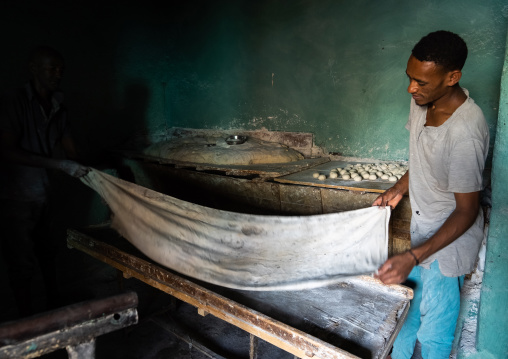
[35,139]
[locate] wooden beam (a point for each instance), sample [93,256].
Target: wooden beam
[253,347]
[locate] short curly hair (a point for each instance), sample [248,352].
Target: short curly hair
[445,48]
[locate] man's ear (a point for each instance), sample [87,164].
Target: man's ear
[454,77]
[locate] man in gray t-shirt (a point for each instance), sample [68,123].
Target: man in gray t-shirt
[448,146]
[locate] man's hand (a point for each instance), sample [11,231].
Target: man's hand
[73,168]
[392,196]
[396,269]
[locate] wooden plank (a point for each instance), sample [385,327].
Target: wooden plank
[202,312]
[283,336]
[400,222]
[253,347]
[305,178]
[357,310]
[401,241]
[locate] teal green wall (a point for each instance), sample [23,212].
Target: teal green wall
[338,66]
[492,333]
[137,66]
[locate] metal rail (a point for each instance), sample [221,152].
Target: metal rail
[73,327]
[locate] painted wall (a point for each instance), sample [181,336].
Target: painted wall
[333,68]
[492,335]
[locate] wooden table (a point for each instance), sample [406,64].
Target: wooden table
[357,318]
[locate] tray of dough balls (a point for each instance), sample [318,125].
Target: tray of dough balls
[352,175]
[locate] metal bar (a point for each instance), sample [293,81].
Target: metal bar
[69,327]
[65,317]
[75,335]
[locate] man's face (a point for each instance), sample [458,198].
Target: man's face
[48,72]
[428,81]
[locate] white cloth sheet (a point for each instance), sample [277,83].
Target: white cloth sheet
[243,251]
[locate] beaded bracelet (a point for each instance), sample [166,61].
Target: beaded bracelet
[416,259]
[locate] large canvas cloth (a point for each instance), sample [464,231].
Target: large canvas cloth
[242,251]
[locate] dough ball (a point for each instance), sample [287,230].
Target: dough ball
[385,176]
[392,179]
[372,177]
[357,178]
[315,174]
[346,177]
[321,177]
[333,175]
[365,175]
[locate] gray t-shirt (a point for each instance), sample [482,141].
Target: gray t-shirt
[442,161]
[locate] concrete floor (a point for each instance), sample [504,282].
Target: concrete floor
[84,278]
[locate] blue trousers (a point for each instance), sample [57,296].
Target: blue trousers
[432,316]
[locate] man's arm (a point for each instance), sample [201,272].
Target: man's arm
[396,269]
[393,195]
[70,148]
[11,151]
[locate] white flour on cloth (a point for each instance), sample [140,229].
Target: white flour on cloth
[243,251]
